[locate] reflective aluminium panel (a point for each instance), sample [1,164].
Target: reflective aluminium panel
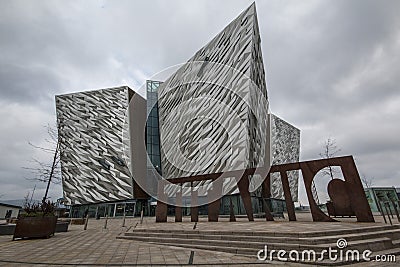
[92,128]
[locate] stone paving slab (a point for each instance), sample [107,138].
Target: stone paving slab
[99,247]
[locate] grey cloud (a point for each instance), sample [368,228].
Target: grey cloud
[332,67]
[26,84]
[326,45]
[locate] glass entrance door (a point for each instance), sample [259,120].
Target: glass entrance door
[119,211]
[130,209]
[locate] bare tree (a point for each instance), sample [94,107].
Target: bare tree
[28,199]
[330,150]
[44,171]
[368,182]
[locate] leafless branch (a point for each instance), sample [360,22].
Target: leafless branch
[330,150]
[48,150]
[43,171]
[368,182]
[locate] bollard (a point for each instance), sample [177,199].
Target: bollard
[105,223]
[123,221]
[86,222]
[141,217]
[232,217]
[191,257]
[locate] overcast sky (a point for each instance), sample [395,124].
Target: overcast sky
[333,69]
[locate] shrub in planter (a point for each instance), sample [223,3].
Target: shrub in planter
[38,221]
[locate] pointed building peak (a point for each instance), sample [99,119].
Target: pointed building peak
[234,35]
[251,8]
[237,46]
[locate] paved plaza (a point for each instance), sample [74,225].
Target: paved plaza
[97,246]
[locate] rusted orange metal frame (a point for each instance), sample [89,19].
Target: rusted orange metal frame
[309,169]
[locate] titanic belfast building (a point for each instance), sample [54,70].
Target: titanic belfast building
[210,116]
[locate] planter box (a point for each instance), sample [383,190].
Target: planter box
[35,227]
[9,229]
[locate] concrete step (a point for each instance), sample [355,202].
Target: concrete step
[251,252]
[381,239]
[393,234]
[338,232]
[392,251]
[372,244]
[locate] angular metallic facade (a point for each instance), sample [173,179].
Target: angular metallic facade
[210,116]
[213,110]
[285,147]
[94,136]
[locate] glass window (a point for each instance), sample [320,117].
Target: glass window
[156,150]
[148,135]
[154,122]
[157,162]
[129,209]
[150,122]
[156,140]
[120,209]
[110,210]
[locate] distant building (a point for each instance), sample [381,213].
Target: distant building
[377,196]
[9,211]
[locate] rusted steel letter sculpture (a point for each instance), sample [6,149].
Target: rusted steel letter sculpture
[351,190]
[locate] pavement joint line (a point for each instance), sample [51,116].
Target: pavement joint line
[125,264]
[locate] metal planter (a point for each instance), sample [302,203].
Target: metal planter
[35,227]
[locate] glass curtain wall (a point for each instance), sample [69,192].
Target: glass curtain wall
[152,127]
